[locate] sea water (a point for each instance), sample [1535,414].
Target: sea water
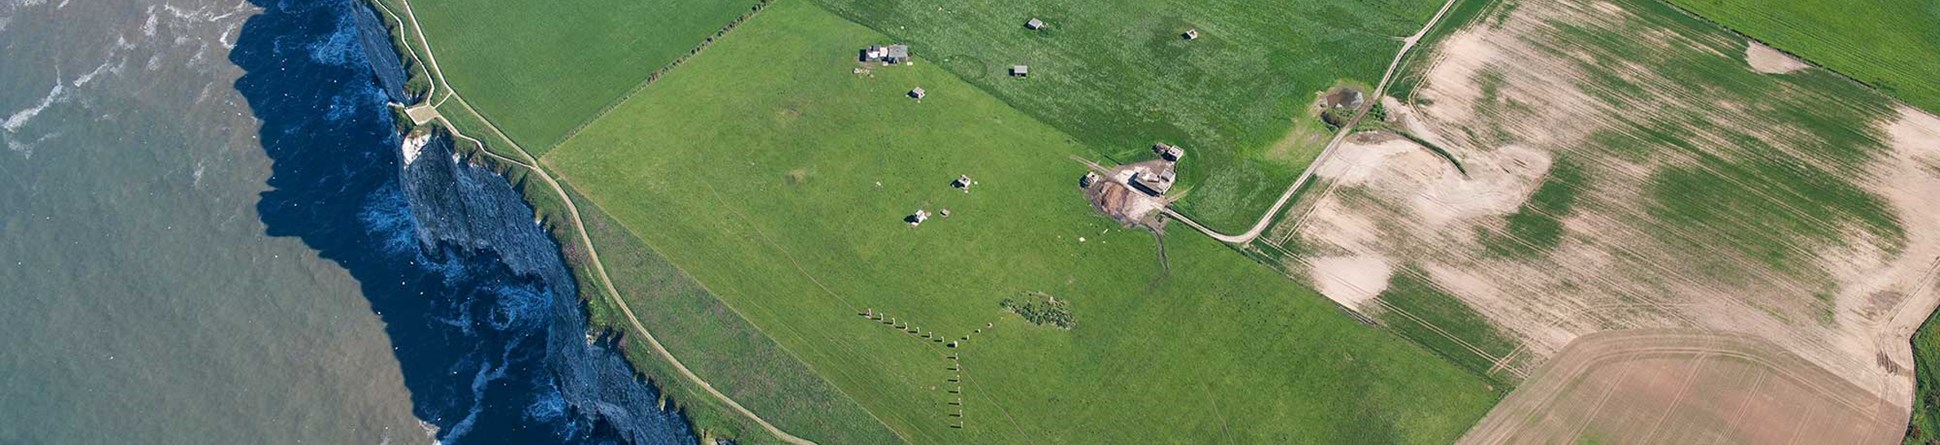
[207,236]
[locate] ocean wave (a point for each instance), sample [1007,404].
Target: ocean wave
[148,25]
[106,66]
[20,118]
[340,47]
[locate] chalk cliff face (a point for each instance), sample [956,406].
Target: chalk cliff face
[482,312]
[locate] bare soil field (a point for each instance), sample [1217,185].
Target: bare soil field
[1768,60]
[1628,167]
[1670,386]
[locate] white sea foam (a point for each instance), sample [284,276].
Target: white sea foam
[148,27]
[106,66]
[228,36]
[26,148]
[21,117]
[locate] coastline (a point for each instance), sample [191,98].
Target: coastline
[711,423]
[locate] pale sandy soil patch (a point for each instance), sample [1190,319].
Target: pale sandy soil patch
[1352,281]
[1768,60]
[1514,98]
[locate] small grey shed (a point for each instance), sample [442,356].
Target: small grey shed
[1191,34]
[917,93]
[1020,70]
[1034,24]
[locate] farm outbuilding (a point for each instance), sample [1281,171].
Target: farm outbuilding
[1191,34]
[917,93]
[1168,151]
[1034,24]
[1020,70]
[1154,183]
[892,54]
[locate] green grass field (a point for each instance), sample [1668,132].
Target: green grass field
[716,343]
[1893,45]
[539,69]
[1117,75]
[778,179]
[1924,427]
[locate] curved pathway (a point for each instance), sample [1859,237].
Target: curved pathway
[1407,44]
[531,163]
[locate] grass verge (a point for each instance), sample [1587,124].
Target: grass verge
[539,69]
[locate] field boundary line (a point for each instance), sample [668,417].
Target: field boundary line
[655,75]
[737,312]
[1407,45]
[591,252]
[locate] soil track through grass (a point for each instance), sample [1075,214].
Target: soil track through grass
[1408,44]
[532,164]
[1789,206]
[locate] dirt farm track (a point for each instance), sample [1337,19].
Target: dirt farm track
[1686,386]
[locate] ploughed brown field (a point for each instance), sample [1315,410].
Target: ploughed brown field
[1673,386]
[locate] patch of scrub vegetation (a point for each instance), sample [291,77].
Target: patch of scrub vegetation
[1892,45]
[1537,226]
[713,340]
[1413,306]
[1117,75]
[696,165]
[539,69]
[1041,309]
[1924,427]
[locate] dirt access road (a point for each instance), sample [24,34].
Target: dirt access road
[531,163]
[1407,44]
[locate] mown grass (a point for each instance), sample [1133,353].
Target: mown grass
[1116,75]
[1414,307]
[539,69]
[779,179]
[717,344]
[1892,45]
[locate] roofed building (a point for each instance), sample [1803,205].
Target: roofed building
[1034,24]
[892,54]
[917,93]
[1191,34]
[1020,70]
[1154,183]
[1168,151]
